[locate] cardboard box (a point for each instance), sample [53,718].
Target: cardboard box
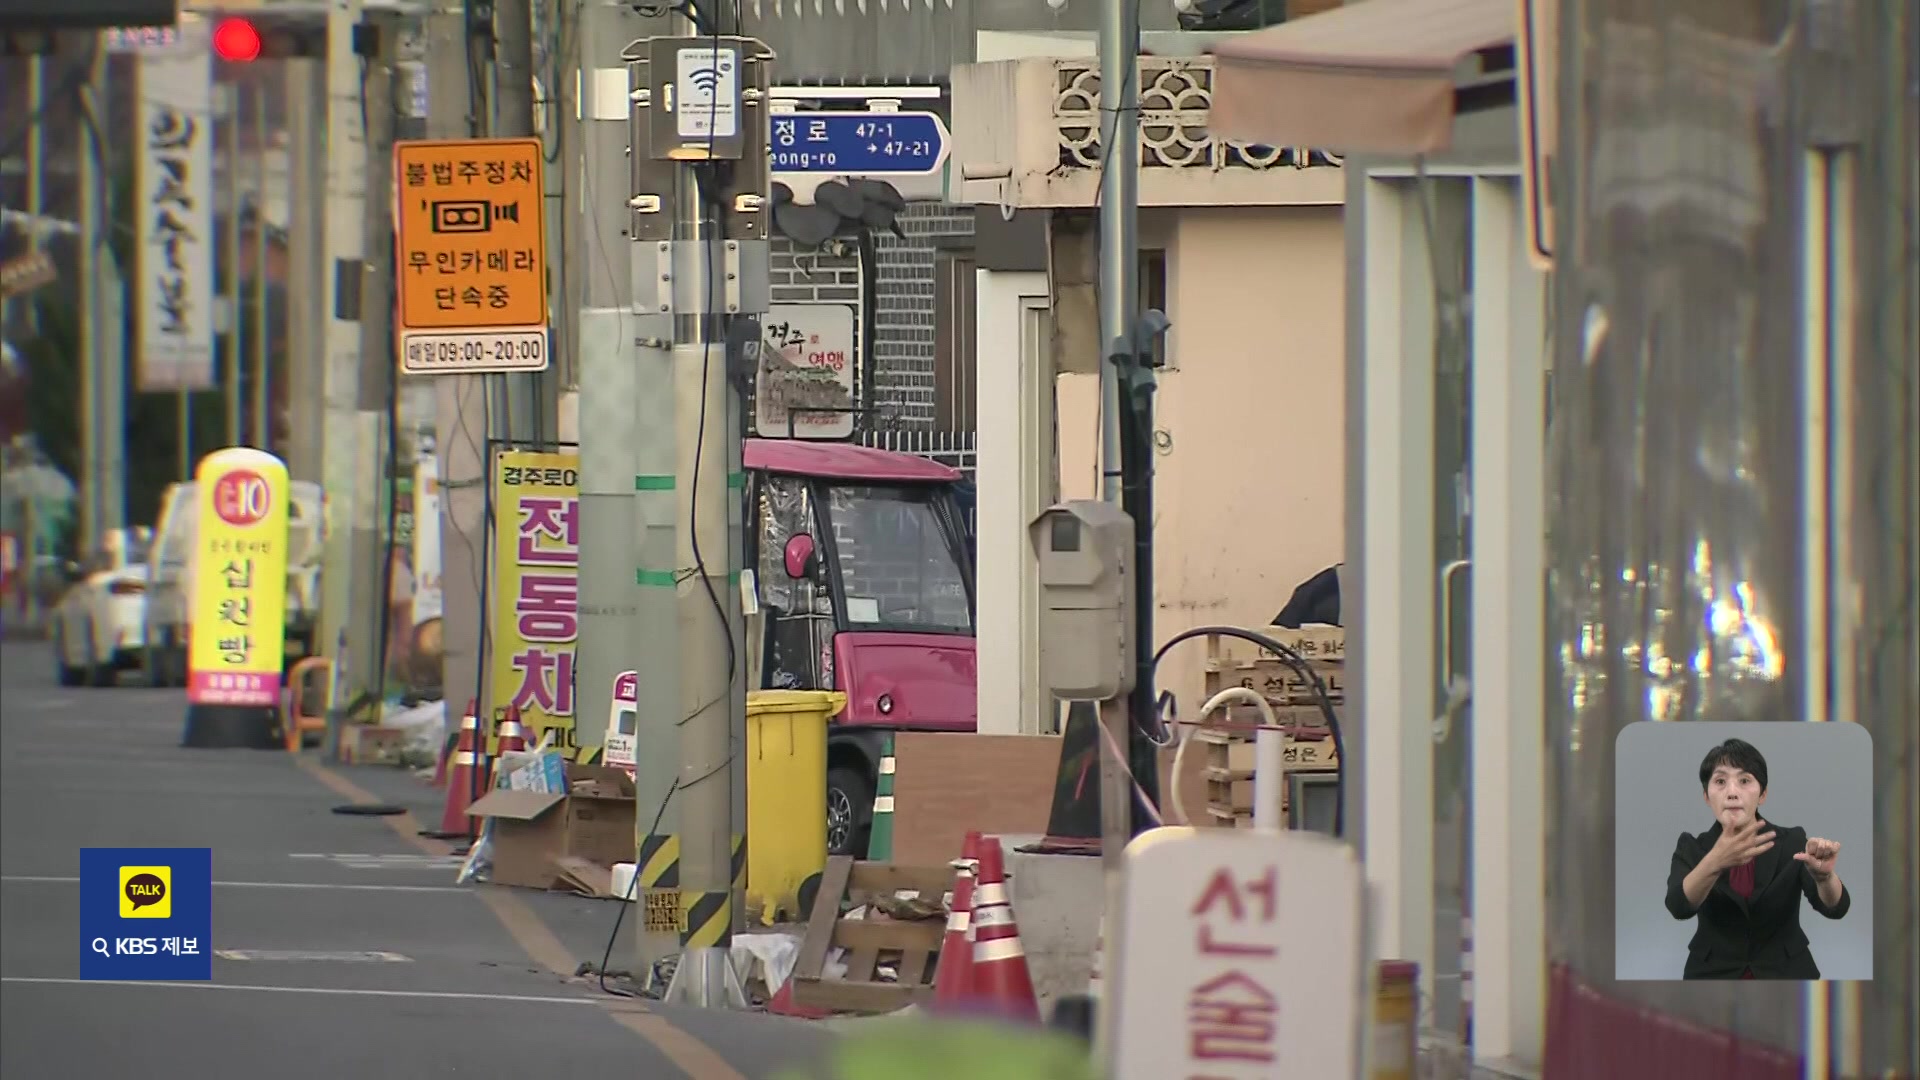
[534,830]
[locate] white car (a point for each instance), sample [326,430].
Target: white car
[99,626]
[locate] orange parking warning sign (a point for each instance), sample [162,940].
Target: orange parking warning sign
[470,246]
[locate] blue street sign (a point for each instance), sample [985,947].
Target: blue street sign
[857,144]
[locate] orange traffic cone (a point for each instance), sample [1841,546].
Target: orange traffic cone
[468,719]
[953,972]
[782,1005]
[468,766]
[1001,981]
[512,736]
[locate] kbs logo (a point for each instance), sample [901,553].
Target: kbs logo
[242,497]
[146,892]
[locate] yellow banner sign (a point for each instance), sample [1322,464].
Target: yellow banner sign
[536,583]
[237,636]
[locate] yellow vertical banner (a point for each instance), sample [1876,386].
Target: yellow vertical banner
[536,590]
[237,633]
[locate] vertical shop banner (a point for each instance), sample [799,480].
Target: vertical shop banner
[237,637]
[804,383]
[174,216]
[536,582]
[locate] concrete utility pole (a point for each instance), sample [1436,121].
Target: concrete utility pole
[1119,217]
[102,334]
[609,426]
[345,462]
[379,368]
[565,75]
[227,96]
[513,93]
[701,258]
[459,428]
[262,399]
[306,311]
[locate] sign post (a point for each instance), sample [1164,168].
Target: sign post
[863,144]
[470,240]
[238,619]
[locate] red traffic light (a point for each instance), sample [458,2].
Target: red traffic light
[236,41]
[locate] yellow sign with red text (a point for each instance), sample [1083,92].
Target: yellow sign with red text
[237,636]
[536,590]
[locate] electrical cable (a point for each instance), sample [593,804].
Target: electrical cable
[1300,667]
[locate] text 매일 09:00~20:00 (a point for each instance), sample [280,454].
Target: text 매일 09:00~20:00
[492,350]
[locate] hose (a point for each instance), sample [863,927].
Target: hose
[1301,668]
[1225,697]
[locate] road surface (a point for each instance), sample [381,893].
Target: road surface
[485,988]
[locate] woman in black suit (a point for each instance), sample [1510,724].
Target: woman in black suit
[1737,880]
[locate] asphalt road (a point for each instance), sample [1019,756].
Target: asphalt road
[485,987]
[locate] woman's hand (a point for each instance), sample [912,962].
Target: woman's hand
[1741,844]
[1819,857]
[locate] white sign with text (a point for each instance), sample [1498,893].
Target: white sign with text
[175,214]
[804,382]
[1241,957]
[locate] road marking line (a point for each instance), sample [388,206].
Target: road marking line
[694,1057]
[30,879]
[444,995]
[301,955]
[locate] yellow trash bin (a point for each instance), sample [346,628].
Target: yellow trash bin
[786,794]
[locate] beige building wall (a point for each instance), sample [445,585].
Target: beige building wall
[1249,419]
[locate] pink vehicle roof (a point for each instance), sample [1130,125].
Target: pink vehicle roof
[843,461]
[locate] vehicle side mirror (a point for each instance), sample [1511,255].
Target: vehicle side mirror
[800,557]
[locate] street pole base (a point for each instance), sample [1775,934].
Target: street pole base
[705,978]
[231,727]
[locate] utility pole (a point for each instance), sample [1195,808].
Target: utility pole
[36,169]
[513,90]
[102,335]
[609,423]
[227,95]
[306,318]
[262,332]
[379,368]
[567,77]
[345,457]
[701,259]
[459,428]
[1126,383]
[1119,216]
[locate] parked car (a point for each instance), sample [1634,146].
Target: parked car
[98,626]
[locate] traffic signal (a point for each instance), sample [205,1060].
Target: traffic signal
[270,35]
[236,41]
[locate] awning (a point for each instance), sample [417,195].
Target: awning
[1375,76]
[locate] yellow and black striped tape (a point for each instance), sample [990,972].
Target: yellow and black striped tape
[588,755]
[709,920]
[658,864]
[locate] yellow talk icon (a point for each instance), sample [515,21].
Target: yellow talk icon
[146,892]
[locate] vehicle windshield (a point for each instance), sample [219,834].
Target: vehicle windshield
[899,568]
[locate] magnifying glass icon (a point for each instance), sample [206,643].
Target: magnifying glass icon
[100,946]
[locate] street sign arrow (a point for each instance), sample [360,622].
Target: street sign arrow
[859,144]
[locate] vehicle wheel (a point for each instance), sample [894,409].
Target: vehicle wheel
[68,676]
[99,672]
[849,812]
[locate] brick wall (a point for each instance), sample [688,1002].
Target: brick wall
[904,325]
[902,351]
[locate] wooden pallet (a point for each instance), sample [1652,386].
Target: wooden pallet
[911,947]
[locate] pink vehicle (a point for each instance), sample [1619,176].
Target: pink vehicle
[866,587]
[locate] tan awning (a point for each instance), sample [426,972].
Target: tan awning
[1376,76]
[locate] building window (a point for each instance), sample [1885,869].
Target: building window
[953,341]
